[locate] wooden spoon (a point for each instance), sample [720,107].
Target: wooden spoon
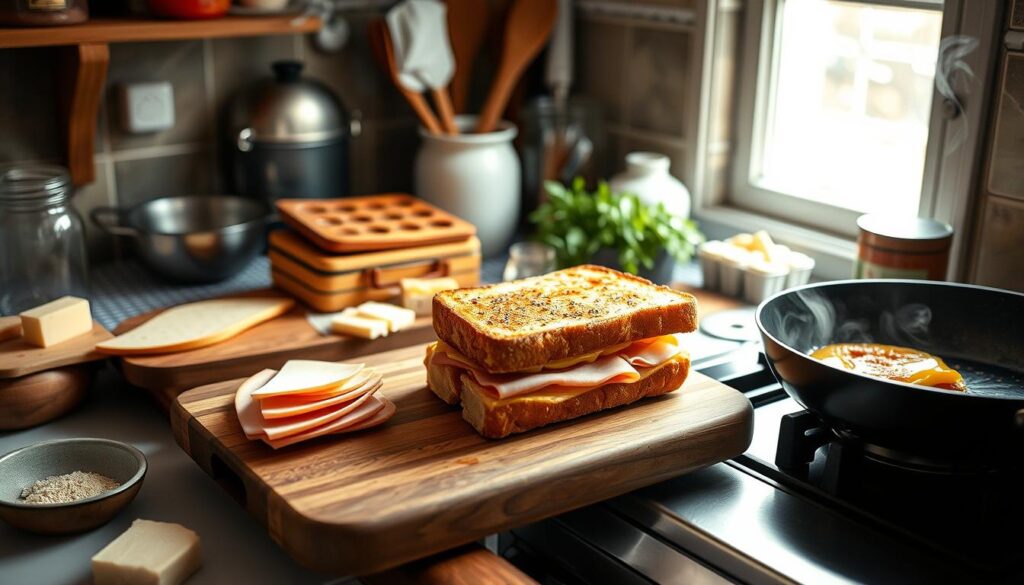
[527,28]
[380,42]
[467,28]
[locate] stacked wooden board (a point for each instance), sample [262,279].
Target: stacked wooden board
[342,252]
[426,481]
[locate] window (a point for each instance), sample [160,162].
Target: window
[836,109]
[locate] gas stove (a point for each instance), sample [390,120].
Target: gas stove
[802,505]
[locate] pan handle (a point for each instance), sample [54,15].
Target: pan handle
[108,219]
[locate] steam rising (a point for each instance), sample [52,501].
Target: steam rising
[814,321]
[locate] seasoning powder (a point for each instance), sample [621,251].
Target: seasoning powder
[70,487]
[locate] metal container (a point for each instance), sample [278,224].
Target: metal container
[289,138]
[902,247]
[195,238]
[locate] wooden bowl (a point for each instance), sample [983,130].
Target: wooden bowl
[38,398]
[23,467]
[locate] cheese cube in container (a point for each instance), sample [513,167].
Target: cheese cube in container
[734,262]
[800,268]
[148,553]
[710,255]
[763,279]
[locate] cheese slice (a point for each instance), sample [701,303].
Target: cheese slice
[345,387]
[348,423]
[397,318]
[196,325]
[247,409]
[653,354]
[56,321]
[289,410]
[148,553]
[350,323]
[307,377]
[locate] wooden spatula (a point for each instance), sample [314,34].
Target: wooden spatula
[380,42]
[527,28]
[467,28]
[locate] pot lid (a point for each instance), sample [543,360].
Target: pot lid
[289,108]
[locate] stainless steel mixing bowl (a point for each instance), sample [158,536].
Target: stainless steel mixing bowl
[193,238]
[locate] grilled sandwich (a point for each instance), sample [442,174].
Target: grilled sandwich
[523,354]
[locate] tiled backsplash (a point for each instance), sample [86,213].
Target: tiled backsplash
[640,71]
[205,74]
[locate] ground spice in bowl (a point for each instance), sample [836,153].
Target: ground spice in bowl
[70,487]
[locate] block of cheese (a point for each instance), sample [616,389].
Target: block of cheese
[307,377]
[350,323]
[148,553]
[396,317]
[196,325]
[56,321]
[418,293]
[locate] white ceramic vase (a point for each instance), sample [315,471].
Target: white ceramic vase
[474,176]
[647,176]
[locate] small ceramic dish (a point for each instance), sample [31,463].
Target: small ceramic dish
[21,468]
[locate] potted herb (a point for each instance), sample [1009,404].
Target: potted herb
[614,229]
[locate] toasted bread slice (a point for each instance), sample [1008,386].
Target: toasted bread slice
[523,324]
[496,418]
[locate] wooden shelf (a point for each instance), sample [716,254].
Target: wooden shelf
[126,30]
[84,56]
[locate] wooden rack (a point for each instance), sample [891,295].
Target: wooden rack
[85,56]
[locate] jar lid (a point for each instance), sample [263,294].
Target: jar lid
[903,233]
[903,227]
[289,109]
[32,182]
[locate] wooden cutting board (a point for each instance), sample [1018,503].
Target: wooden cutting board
[19,358]
[426,481]
[268,345]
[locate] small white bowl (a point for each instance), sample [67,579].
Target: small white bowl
[800,268]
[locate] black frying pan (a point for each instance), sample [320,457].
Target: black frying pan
[977,330]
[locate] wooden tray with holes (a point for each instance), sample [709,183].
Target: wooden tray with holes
[331,282]
[376,222]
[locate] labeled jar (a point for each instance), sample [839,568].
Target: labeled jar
[902,247]
[43,12]
[42,246]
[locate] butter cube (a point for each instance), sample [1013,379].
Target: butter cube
[148,553]
[56,321]
[418,293]
[349,322]
[397,318]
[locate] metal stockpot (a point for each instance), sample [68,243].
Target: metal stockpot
[289,138]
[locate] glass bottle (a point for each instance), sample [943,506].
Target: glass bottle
[42,247]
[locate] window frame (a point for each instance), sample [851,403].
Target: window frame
[953,157]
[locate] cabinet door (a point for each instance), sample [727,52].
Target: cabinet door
[1006,169]
[1001,244]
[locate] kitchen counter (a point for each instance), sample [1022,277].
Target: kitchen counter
[236,549]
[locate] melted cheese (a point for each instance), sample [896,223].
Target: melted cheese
[901,364]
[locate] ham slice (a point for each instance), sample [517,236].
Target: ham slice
[606,370]
[296,425]
[652,354]
[350,422]
[255,426]
[283,409]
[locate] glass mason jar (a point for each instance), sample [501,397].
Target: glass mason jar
[42,248]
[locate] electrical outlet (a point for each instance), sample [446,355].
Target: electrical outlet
[147,107]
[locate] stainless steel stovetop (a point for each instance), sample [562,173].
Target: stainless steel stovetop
[823,513]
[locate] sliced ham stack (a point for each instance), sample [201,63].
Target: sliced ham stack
[308,399]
